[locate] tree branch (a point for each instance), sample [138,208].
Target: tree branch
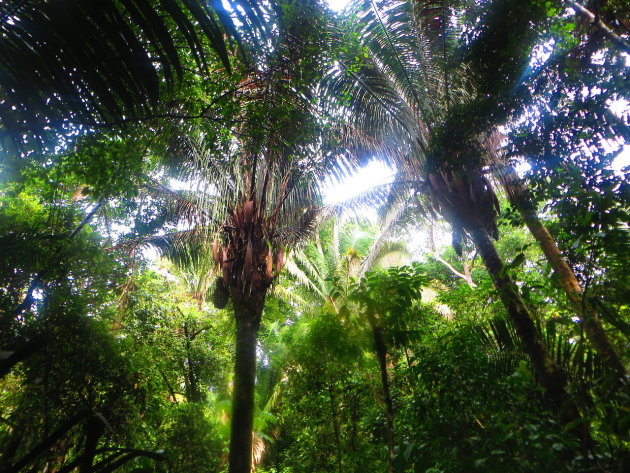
[598,24]
[28,297]
[437,257]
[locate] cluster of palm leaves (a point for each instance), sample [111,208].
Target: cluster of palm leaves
[67,65]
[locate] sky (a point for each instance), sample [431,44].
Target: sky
[337,5]
[375,173]
[622,160]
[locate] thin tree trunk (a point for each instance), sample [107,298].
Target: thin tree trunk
[113,461]
[169,387]
[247,311]
[550,375]
[410,382]
[581,304]
[381,354]
[596,22]
[466,276]
[193,393]
[354,424]
[37,281]
[336,428]
[468,273]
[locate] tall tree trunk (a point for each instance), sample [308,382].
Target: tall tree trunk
[381,354]
[550,375]
[247,311]
[591,321]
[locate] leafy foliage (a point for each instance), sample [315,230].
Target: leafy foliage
[205,131]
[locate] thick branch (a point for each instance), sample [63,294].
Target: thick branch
[598,24]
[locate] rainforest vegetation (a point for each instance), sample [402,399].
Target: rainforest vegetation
[178,294]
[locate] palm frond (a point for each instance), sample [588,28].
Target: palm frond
[402,50]
[183,247]
[312,267]
[376,106]
[398,86]
[301,277]
[389,221]
[301,230]
[573,355]
[67,62]
[179,207]
[292,297]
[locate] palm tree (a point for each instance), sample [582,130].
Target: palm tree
[403,95]
[251,177]
[245,227]
[260,212]
[253,194]
[341,255]
[500,75]
[499,60]
[470,205]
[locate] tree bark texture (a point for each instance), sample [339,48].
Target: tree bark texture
[247,311]
[582,305]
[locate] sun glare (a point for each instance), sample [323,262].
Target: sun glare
[337,5]
[375,173]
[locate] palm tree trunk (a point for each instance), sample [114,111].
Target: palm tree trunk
[381,354]
[550,375]
[247,311]
[582,305]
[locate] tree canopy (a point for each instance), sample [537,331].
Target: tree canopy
[177,295]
